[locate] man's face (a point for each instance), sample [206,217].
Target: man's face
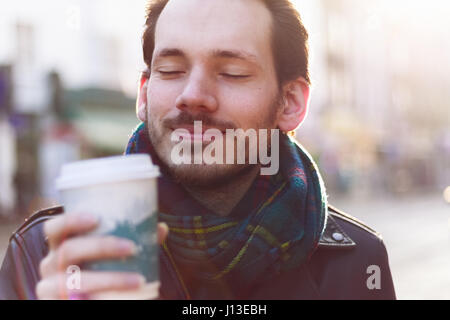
[212,62]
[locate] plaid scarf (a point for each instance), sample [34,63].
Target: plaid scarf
[274,228]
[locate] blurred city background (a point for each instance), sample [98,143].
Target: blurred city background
[379,121]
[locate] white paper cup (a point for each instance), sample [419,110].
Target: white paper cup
[122,192]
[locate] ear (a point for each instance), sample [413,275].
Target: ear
[141,101]
[295,108]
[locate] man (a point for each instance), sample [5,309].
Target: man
[233,233]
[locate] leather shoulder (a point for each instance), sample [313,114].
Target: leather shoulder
[343,216]
[37,218]
[343,231]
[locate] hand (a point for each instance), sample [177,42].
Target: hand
[70,245]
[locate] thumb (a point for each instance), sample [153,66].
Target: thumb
[163,232]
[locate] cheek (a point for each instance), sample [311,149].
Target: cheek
[249,109]
[160,99]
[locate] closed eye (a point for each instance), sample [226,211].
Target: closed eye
[235,76]
[171,75]
[170,72]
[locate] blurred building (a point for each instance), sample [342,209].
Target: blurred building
[383,111]
[71,73]
[7,147]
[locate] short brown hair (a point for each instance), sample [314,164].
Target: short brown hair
[289,38]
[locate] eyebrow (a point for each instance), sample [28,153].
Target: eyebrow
[234,54]
[170,52]
[218,53]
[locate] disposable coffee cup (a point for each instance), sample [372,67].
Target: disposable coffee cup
[121,192]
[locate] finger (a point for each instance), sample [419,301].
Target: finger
[66,286]
[148,291]
[67,225]
[50,289]
[79,250]
[45,266]
[163,232]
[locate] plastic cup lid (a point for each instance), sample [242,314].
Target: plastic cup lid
[106,170]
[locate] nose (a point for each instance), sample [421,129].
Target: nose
[197,95]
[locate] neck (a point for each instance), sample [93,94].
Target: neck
[223,198]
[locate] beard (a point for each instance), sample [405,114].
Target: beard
[201,175]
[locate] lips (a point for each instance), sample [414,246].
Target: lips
[195,134]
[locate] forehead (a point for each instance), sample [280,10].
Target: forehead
[200,26]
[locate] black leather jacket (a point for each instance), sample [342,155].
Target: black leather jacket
[338,269]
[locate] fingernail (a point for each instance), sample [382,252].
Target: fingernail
[78,296]
[127,247]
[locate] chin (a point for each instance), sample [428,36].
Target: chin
[203,175]
[195,175]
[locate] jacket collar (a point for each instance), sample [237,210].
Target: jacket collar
[334,236]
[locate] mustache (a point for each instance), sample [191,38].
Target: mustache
[185,118]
